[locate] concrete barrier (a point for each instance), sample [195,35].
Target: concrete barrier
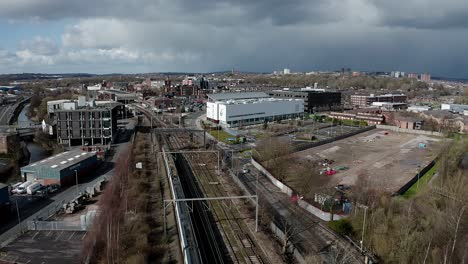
[411,131]
[325,216]
[283,187]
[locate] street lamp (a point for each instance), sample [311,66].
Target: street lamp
[363,224]
[76,178]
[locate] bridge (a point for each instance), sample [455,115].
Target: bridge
[22,131]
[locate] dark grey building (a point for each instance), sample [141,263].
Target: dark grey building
[315,100]
[88,125]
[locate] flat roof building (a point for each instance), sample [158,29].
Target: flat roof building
[454,108]
[367,100]
[62,168]
[234,113]
[315,100]
[88,125]
[236,96]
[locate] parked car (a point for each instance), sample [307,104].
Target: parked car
[22,188]
[245,170]
[342,187]
[15,186]
[53,188]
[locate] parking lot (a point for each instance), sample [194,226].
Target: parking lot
[44,247]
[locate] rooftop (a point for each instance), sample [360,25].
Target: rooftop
[256,100]
[236,96]
[59,101]
[441,114]
[61,160]
[304,90]
[103,105]
[2,185]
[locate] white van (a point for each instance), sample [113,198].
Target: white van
[15,186]
[33,188]
[22,188]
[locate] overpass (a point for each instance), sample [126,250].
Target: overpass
[21,131]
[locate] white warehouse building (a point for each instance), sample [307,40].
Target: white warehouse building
[241,112]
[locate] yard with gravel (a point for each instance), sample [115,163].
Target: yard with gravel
[380,159]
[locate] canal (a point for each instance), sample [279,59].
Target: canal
[37,151]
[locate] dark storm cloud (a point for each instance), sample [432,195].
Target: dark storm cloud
[204,11]
[428,14]
[255,35]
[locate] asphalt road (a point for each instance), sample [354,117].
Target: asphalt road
[6,111]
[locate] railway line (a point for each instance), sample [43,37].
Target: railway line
[221,234]
[311,237]
[236,233]
[237,238]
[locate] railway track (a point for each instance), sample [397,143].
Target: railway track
[314,238]
[209,239]
[236,232]
[237,237]
[234,244]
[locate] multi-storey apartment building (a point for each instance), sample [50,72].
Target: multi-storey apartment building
[88,125]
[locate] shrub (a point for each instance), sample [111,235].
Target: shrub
[342,226]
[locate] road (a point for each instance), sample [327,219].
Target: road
[6,112]
[66,195]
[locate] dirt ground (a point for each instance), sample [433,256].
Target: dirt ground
[385,160]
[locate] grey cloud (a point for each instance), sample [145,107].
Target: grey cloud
[204,11]
[260,35]
[40,46]
[429,14]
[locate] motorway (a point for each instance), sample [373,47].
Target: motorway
[34,211]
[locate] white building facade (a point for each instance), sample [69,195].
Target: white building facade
[235,113]
[454,108]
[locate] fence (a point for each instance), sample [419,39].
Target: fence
[55,226]
[404,130]
[326,141]
[408,185]
[325,216]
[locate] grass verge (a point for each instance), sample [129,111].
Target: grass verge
[423,181]
[223,136]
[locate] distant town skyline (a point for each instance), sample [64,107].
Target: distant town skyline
[103,36]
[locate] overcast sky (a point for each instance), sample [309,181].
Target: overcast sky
[104,36]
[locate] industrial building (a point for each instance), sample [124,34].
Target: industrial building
[88,125]
[222,97]
[418,108]
[64,168]
[315,100]
[367,100]
[454,108]
[240,112]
